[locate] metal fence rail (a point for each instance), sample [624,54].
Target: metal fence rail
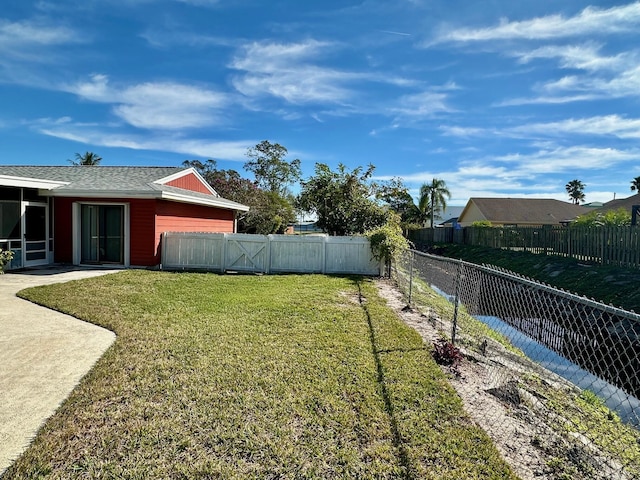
[566,364]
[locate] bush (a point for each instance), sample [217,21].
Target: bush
[5,257]
[387,241]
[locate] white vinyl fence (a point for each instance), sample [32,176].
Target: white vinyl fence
[222,252]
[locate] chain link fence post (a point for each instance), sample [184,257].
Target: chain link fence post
[411,276]
[456,301]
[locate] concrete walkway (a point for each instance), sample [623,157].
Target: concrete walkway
[43,356]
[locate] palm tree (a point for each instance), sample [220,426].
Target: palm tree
[432,198]
[87,158]
[635,185]
[575,189]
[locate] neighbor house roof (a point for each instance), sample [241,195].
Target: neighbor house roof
[106,182]
[625,203]
[520,211]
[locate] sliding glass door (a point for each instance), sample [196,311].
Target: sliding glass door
[102,234]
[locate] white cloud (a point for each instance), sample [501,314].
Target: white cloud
[163,105]
[590,21]
[613,125]
[286,71]
[583,57]
[423,104]
[610,125]
[102,136]
[293,73]
[16,36]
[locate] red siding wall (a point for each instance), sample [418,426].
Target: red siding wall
[148,219]
[183,217]
[142,246]
[62,230]
[189,182]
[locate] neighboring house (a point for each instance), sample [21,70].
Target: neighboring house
[449,216]
[104,215]
[303,228]
[519,211]
[624,203]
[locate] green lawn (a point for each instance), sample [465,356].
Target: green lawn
[253,377]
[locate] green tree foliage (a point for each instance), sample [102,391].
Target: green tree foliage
[612,218]
[635,185]
[396,195]
[269,212]
[575,189]
[344,201]
[86,159]
[272,172]
[433,198]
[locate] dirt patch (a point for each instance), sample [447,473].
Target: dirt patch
[512,413]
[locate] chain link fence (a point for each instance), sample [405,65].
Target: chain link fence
[554,378]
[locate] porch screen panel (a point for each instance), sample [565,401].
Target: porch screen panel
[10,220]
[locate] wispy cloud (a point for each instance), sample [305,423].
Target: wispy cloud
[590,21]
[294,72]
[611,125]
[604,125]
[15,37]
[105,137]
[582,57]
[155,105]
[287,71]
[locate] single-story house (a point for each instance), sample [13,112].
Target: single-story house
[519,211]
[624,203]
[104,215]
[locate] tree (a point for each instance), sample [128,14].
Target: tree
[433,198]
[86,159]
[272,172]
[269,212]
[344,201]
[396,195]
[635,185]
[575,189]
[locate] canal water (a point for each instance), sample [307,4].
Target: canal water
[625,405]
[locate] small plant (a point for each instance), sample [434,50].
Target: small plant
[5,257]
[447,354]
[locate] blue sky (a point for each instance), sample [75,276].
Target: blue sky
[498,98]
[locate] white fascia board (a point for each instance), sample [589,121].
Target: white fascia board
[26,182]
[158,194]
[183,173]
[213,202]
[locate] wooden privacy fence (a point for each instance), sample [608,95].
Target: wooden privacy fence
[221,252]
[606,245]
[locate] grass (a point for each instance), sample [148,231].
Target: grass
[605,283]
[253,377]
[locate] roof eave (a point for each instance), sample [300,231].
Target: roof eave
[218,202]
[28,182]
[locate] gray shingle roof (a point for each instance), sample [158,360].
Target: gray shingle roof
[624,203]
[94,178]
[532,211]
[115,181]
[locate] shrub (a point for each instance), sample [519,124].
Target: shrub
[5,257]
[387,241]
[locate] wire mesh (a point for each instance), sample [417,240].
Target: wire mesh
[551,376]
